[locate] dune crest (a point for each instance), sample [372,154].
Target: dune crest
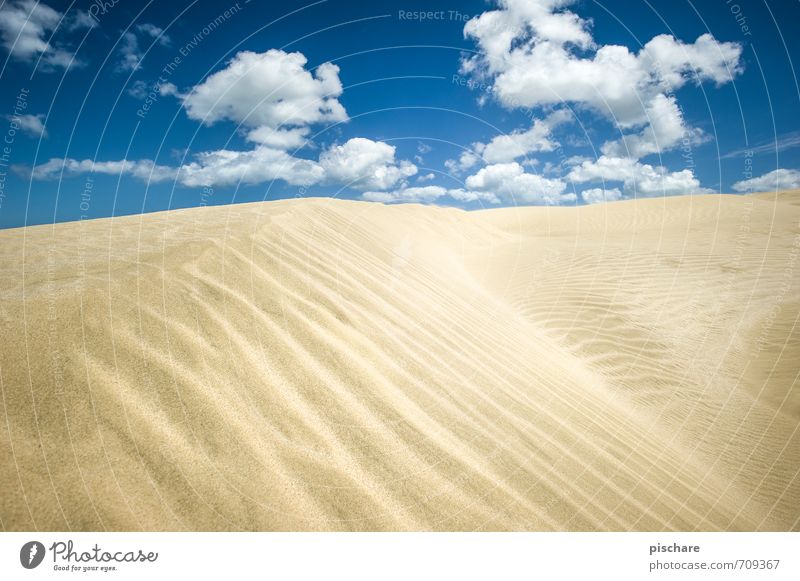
[320,364]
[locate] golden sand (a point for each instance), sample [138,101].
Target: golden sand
[319,364]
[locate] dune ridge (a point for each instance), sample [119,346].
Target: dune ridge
[318,364]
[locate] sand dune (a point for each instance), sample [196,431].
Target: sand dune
[319,364]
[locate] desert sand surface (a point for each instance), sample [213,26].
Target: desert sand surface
[318,364]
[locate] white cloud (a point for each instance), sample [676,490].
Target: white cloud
[575,160]
[144,170]
[271,89]
[30,124]
[498,30]
[275,99]
[129,48]
[639,179]
[214,168]
[363,164]
[409,194]
[262,164]
[598,195]
[673,62]
[427,177]
[472,196]
[530,69]
[294,138]
[168,89]
[141,90]
[776,180]
[539,54]
[26,29]
[155,32]
[510,182]
[465,161]
[422,149]
[780,143]
[511,146]
[359,163]
[505,148]
[665,130]
[428,194]
[80,20]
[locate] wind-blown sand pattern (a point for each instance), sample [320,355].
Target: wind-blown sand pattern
[319,364]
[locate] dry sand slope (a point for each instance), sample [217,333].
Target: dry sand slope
[322,364]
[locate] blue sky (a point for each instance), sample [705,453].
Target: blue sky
[122,107]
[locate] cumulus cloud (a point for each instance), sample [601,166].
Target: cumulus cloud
[422,149]
[510,182]
[30,124]
[131,54]
[363,164]
[639,179]
[511,146]
[428,194]
[463,195]
[294,138]
[142,90]
[465,161]
[275,99]
[665,130]
[271,89]
[598,195]
[26,28]
[408,194]
[505,148]
[214,168]
[533,61]
[262,164]
[145,170]
[538,53]
[359,163]
[779,179]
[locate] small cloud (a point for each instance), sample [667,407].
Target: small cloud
[27,29]
[31,124]
[272,88]
[428,195]
[776,180]
[576,160]
[780,143]
[81,20]
[131,54]
[510,182]
[139,89]
[638,179]
[414,194]
[426,178]
[508,147]
[165,89]
[364,164]
[155,32]
[598,195]
[466,160]
[179,153]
